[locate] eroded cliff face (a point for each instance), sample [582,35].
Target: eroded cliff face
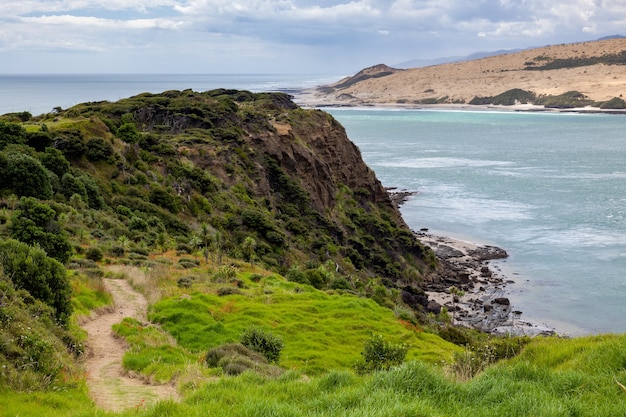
[319,153]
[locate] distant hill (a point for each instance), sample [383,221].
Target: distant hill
[417,63]
[568,75]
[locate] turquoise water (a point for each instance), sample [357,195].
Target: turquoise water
[548,188]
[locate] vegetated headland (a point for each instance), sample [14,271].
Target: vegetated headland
[279,275]
[588,76]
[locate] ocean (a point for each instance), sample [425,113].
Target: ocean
[40,93]
[550,189]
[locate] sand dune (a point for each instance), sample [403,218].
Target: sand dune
[462,81]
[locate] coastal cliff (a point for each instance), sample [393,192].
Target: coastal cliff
[158,169]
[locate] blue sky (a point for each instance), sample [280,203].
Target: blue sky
[281,36]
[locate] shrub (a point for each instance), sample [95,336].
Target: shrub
[379,354]
[117,251]
[264,342]
[227,291]
[44,278]
[34,223]
[225,273]
[186,281]
[11,133]
[54,161]
[94,254]
[25,176]
[98,149]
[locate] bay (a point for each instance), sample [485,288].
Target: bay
[548,188]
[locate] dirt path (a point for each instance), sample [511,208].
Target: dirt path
[109,386]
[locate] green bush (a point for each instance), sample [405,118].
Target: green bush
[94,254]
[11,133]
[98,149]
[25,175]
[44,278]
[54,161]
[35,223]
[379,354]
[264,342]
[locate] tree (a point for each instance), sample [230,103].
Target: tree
[11,133]
[35,223]
[54,161]
[205,235]
[44,278]
[248,248]
[25,176]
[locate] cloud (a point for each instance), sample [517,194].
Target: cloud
[287,32]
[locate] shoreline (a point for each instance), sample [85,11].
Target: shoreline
[468,267]
[309,98]
[484,305]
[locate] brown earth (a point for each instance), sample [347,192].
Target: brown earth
[460,82]
[110,386]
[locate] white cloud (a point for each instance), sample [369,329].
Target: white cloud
[327,31]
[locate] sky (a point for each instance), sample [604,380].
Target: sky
[281,36]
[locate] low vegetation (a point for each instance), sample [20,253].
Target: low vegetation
[568,100]
[270,294]
[544,63]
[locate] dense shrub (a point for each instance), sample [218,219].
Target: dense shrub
[614,103]
[163,198]
[44,278]
[70,142]
[98,149]
[128,133]
[25,176]
[264,342]
[54,161]
[379,354]
[94,253]
[70,185]
[11,133]
[35,223]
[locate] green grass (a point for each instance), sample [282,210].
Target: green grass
[571,386]
[88,294]
[69,402]
[321,331]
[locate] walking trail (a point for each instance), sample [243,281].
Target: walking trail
[110,387]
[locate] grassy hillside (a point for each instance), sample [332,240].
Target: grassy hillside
[252,227]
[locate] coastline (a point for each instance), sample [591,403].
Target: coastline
[468,267]
[311,98]
[484,304]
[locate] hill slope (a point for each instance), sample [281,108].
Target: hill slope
[594,69]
